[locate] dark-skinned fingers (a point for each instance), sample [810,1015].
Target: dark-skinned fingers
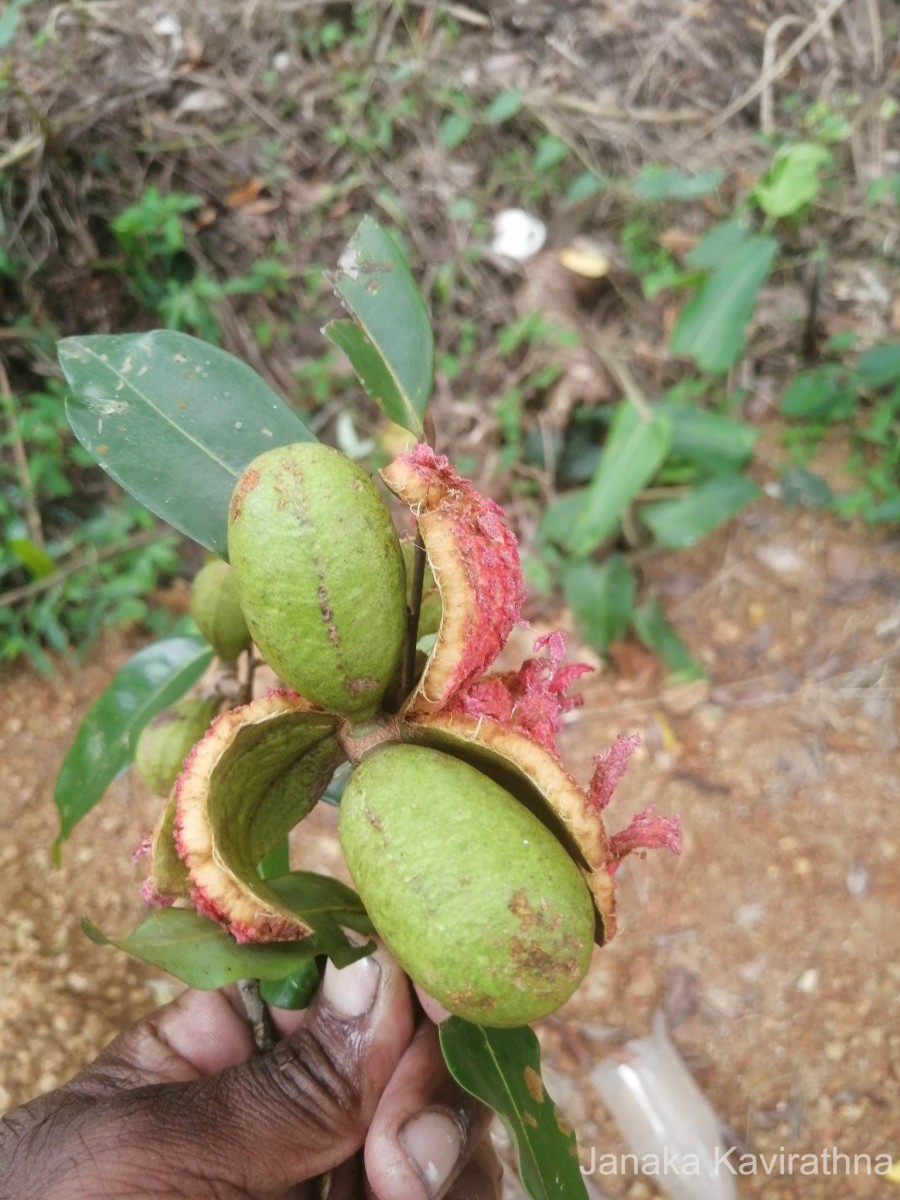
[425,1127]
[196,1035]
[251,1132]
[303,1109]
[482,1176]
[345,1182]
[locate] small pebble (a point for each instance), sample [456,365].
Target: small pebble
[808,981]
[857,880]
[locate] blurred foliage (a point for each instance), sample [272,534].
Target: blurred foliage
[83,563]
[170,254]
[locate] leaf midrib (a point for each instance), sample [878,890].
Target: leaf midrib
[515,1106]
[180,429]
[122,741]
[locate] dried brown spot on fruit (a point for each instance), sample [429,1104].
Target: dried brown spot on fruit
[245,486]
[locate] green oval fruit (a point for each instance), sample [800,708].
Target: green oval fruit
[216,609]
[320,575]
[476,899]
[167,740]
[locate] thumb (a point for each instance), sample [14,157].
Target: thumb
[302,1109]
[254,1129]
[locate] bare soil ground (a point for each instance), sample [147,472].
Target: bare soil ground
[772,944]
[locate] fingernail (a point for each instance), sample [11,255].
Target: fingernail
[352,991]
[432,1142]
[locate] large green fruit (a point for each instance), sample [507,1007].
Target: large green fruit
[216,609]
[167,740]
[477,900]
[320,575]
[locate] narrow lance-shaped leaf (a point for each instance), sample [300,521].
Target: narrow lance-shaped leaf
[711,328]
[150,681]
[601,595]
[632,454]
[203,955]
[657,634]
[559,516]
[660,183]
[389,342]
[682,522]
[713,443]
[502,1068]
[203,413]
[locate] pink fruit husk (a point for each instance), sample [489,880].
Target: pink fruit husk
[531,700]
[475,561]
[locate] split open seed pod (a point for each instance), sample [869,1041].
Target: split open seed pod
[485,867]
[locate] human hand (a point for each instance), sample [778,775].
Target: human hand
[179,1107]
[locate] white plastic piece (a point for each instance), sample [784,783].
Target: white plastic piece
[665,1118]
[348,440]
[517,234]
[168,26]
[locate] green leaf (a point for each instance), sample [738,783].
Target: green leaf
[150,681]
[715,444]
[502,1068]
[372,371]
[659,183]
[203,955]
[826,394]
[632,454]
[391,346]
[36,560]
[558,518]
[453,130]
[880,366]
[658,635]
[887,511]
[711,327]
[295,990]
[601,595]
[548,153]
[723,239]
[803,489]
[682,522]
[793,179]
[325,904]
[9,21]
[585,185]
[175,421]
[504,106]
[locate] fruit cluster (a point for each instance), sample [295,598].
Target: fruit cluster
[485,868]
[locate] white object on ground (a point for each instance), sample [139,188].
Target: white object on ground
[665,1118]
[517,234]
